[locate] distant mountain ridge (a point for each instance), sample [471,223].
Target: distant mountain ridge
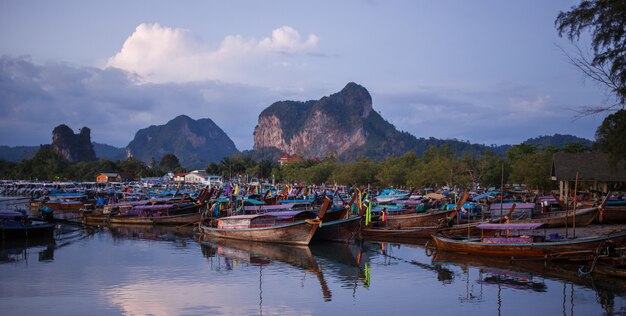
[343,124]
[557,140]
[196,143]
[109,152]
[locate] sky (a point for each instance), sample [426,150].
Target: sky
[485,71]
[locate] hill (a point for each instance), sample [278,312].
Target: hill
[196,143]
[343,124]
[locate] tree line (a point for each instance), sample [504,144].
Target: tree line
[438,166]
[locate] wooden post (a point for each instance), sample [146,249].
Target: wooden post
[566,209]
[575,204]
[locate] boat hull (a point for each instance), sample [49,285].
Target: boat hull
[415,219]
[298,233]
[156,220]
[342,230]
[15,230]
[583,218]
[614,214]
[419,233]
[548,250]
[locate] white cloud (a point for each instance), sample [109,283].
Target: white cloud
[161,54]
[535,105]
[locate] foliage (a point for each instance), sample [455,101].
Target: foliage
[438,166]
[557,140]
[611,136]
[533,169]
[169,162]
[606,21]
[394,171]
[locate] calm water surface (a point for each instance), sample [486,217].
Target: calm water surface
[161,271]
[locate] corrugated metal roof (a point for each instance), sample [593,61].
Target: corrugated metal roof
[590,167]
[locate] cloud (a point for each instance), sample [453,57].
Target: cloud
[36,98]
[496,114]
[115,105]
[161,54]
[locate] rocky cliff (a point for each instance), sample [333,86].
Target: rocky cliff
[343,124]
[333,124]
[195,143]
[73,147]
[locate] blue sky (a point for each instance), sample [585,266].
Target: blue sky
[487,72]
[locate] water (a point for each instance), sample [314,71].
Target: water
[161,271]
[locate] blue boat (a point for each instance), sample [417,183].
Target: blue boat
[15,224]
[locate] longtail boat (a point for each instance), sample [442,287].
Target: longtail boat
[553,219]
[408,233]
[613,211]
[524,246]
[15,224]
[337,226]
[159,214]
[293,227]
[428,218]
[341,230]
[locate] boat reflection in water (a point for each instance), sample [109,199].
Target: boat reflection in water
[530,276]
[12,251]
[44,247]
[180,234]
[341,262]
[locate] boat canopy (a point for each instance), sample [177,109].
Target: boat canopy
[435,196]
[268,207]
[408,202]
[292,214]
[306,201]
[510,226]
[507,206]
[154,207]
[246,221]
[484,195]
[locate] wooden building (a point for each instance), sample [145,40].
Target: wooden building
[113,177]
[594,171]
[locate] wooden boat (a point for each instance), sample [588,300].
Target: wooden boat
[15,225]
[341,230]
[157,214]
[428,218]
[61,202]
[410,233]
[524,246]
[294,227]
[337,226]
[613,212]
[180,219]
[582,217]
[552,219]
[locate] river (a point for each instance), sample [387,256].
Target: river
[170,271]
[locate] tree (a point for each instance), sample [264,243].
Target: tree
[606,20]
[394,171]
[611,136]
[169,162]
[480,168]
[212,168]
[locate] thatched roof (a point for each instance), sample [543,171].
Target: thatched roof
[590,167]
